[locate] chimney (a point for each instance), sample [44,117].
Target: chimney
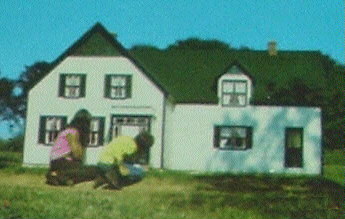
[272,48]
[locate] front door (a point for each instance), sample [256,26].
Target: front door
[294,147]
[129,125]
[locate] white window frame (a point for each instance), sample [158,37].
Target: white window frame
[73,85]
[50,128]
[143,122]
[96,134]
[231,93]
[118,86]
[233,137]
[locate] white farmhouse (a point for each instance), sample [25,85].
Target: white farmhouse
[202,117]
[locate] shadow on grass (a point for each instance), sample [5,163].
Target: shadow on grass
[298,197]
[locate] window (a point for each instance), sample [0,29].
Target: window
[294,147]
[72,85]
[234,93]
[50,126]
[233,137]
[96,131]
[118,86]
[129,125]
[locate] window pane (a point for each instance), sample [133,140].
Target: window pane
[226,99]
[72,92]
[72,80]
[233,138]
[238,132]
[234,100]
[241,87]
[225,132]
[242,100]
[94,127]
[94,139]
[228,87]
[117,92]
[224,144]
[53,124]
[118,81]
[294,139]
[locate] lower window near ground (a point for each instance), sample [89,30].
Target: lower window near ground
[232,137]
[50,126]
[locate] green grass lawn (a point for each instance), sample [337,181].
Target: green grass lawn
[334,166]
[169,194]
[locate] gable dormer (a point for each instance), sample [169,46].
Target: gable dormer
[235,87]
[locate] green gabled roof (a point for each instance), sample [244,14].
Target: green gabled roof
[99,42]
[95,42]
[190,76]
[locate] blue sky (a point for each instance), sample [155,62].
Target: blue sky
[41,30]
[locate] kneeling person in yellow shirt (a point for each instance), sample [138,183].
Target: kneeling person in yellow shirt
[112,162]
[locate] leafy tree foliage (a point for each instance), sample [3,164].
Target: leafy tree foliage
[7,99]
[196,43]
[13,93]
[32,75]
[329,95]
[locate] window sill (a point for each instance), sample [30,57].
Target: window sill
[232,149]
[71,98]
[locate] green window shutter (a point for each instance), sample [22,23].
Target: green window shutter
[82,85]
[101,131]
[63,122]
[41,130]
[216,137]
[107,86]
[62,85]
[129,87]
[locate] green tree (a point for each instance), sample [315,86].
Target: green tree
[28,79]
[333,110]
[7,98]
[196,43]
[32,75]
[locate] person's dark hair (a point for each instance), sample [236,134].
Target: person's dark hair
[144,140]
[81,122]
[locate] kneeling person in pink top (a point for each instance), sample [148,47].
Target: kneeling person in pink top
[67,153]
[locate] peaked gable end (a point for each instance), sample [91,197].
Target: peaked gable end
[95,42]
[96,45]
[236,68]
[99,42]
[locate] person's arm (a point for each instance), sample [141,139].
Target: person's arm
[76,147]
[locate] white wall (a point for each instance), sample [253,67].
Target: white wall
[146,99]
[190,145]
